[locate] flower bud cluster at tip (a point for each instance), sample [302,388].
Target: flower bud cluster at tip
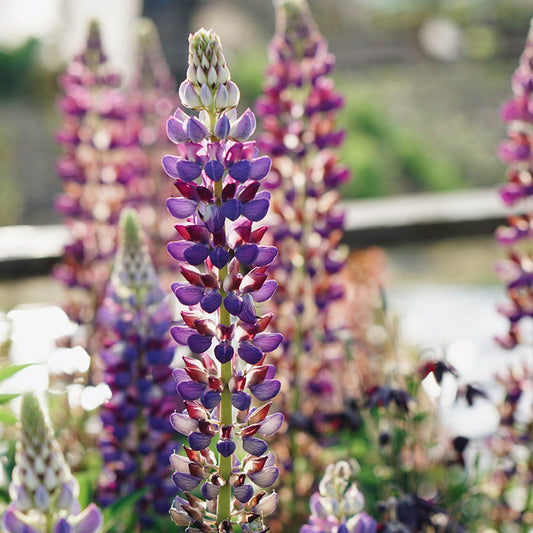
[137,437]
[516,152]
[208,85]
[338,505]
[297,111]
[42,489]
[217,173]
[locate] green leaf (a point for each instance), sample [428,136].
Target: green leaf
[4,398]
[7,416]
[114,514]
[11,370]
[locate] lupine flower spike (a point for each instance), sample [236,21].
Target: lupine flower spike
[516,270]
[137,437]
[44,494]
[298,120]
[152,94]
[102,168]
[217,172]
[338,505]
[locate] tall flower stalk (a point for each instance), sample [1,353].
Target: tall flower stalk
[516,269]
[297,109]
[151,95]
[102,168]
[137,437]
[44,494]
[217,172]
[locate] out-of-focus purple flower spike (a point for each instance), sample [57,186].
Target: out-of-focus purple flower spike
[515,270]
[42,488]
[136,356]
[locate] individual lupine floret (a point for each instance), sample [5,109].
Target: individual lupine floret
[515,270]
[217,172]
[297,111]
[338,505]
[137,437]
[102,167]
[44,494]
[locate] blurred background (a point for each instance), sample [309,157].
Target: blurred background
[423,82]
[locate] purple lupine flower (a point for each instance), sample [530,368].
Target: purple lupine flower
[102,169]
[515,270]
[297,111]
[338,505]
[217,171]
[44,494]
[151,95]
[137,436]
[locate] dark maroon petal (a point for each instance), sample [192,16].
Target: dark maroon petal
[260,168]
[214,170]
[169,163]
[181,334]
[233,304]
[255,210]
[222,126]
[225,447]
[185,482]
[265,477]
[196,130]
[249,353]
[210,491]
[188,170]
[254,446]
[240,400]
[190,390]
[232,209]
[240,171]
[224,352]
[211,301]
[195,254]
[265,292]
[181,207]
[267,342]
[243,493]
[247,253]
[199,343]
[198,441]
[219,257]
[189,294]
[210,399]
[248,192]
[265,255]
[266,390]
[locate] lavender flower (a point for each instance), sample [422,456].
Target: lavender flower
[137,353]
[102,169]
[298,118]
[217,172]
[516,152]
[43,491]
[338,505]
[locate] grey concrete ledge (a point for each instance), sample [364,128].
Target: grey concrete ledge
[32,250]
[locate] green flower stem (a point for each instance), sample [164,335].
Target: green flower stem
[226,415]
